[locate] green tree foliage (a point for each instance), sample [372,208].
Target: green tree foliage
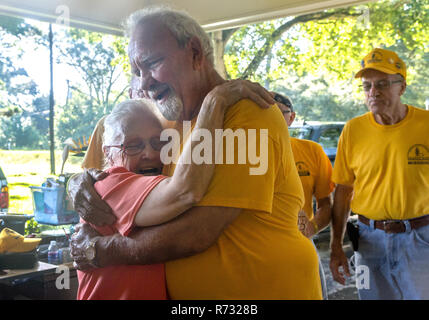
[98,59]
[27,128]
[77,119]
[24,113]
[313,57]
[14,81]
[22,118]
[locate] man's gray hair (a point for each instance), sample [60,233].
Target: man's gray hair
[117,122]
[181,25]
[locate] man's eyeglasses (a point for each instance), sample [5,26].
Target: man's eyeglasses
[379,85]
[135,149]
[284,101]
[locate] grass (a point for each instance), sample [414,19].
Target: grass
[30,168]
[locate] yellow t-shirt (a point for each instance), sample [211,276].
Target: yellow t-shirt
[314,169]
[261,254]
[94,156]
[388,166]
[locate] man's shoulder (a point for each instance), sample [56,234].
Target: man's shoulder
[420,112]
[309,147]
[357,122]
[305,143]
[359,119]
[247,114]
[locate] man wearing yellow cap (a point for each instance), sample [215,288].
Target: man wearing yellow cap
[382,174]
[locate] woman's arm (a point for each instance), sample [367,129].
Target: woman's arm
[174,195]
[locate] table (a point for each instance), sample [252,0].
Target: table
[38,283]
[39,269]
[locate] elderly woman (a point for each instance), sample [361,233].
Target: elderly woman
[140,196]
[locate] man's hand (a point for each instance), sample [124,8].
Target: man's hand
[79,242]
[339,259]
[86,201]
[340,214]
[305,226]
[302,221]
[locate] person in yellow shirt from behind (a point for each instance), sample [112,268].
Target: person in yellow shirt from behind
[315,170]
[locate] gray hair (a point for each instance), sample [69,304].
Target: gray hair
[181,25]
[116,123]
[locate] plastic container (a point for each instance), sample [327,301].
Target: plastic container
[51,207]
[53,253]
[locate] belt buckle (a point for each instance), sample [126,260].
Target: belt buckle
[389,226]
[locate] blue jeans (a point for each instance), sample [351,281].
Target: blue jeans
[397,264]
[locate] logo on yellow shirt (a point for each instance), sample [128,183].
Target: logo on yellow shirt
[302,169]
[418,154]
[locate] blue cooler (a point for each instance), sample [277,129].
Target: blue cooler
[51,207]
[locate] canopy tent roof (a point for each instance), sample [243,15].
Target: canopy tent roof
[107,15]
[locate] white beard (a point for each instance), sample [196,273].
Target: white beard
[171,108]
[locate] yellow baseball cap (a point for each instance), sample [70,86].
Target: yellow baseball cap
[12,241]
[385,61]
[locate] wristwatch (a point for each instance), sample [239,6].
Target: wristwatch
[91,252]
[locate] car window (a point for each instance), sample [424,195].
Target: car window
[329,137]
[300,132]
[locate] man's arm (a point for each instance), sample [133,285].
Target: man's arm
[324,213]
[188,234]
[340,214]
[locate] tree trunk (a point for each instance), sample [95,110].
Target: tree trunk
[276,35]
[218,51]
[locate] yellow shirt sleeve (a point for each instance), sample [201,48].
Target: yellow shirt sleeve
[342,173]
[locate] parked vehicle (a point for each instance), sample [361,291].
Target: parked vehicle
[324,133]
[4,193]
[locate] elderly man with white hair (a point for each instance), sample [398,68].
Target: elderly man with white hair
[241,241]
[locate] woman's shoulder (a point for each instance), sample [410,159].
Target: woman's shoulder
[120,181]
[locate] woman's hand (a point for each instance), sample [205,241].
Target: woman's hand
[235,90]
